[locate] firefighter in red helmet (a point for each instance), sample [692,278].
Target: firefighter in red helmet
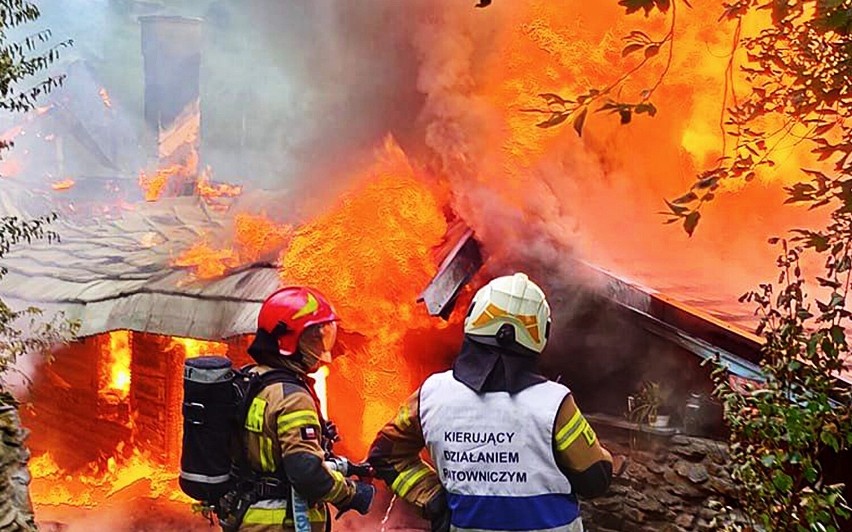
[284,438]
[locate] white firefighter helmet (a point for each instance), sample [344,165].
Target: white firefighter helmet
[510,311]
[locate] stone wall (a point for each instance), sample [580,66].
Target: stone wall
[16,514]
[669,484]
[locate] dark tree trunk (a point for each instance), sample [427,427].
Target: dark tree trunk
[16,512]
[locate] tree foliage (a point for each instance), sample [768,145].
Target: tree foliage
[781,431]
[27,330]
[798,72]
[22,60]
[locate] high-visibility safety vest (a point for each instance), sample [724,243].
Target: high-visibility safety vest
[494,456]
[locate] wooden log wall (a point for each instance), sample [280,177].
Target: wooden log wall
[156,396]
[65,416]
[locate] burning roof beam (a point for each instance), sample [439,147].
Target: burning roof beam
[171,48]
[456,270]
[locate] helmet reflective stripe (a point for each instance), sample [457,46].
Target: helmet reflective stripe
[513,300]
[311,306]
[492,311]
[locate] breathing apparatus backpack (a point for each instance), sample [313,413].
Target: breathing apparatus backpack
[210,404]
[215,403]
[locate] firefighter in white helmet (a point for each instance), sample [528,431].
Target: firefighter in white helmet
[511,449]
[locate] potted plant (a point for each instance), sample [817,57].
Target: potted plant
[645,407]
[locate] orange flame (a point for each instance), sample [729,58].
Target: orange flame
[195,348]
[556,193]
[115,367]
[370,256]
[65,184]
[214,193]
[53,486]
[321,388]
[155,185]
[207,262]
[255,237]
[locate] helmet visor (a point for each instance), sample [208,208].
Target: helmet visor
[318,340]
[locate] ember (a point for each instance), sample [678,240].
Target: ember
[65,184]
[102,92]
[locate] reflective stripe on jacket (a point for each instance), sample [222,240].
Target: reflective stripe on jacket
[273,514]
[282,432]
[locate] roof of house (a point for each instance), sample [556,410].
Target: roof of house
[118,273]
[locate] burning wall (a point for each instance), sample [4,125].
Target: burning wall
[107,414]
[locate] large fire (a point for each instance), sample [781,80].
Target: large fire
[129,466]
[558,190]
[532,195]
[100,481]
[369,254]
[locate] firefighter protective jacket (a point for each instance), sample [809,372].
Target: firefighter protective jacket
[282,430]
[501,457]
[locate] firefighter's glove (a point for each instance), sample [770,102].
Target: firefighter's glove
[363,471]
[331,432]
[438,513]
[361,501]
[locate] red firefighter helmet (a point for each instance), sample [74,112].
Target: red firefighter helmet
[288,312]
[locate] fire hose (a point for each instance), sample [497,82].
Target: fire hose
[347,468]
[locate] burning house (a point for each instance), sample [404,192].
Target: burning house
[147,297]
[158,262]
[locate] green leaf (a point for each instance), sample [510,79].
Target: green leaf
[676,209]
[811,474]
[630,48]
[689,197]
[580,120]
[830,440]
[554,120]
[635,5]
[838,334]
[828,283]
[782,481]
[550,98]
[691,222]
[836,300]
[707,182]
[646,107]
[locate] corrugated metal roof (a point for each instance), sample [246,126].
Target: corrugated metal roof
[117,274]
[713,327]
